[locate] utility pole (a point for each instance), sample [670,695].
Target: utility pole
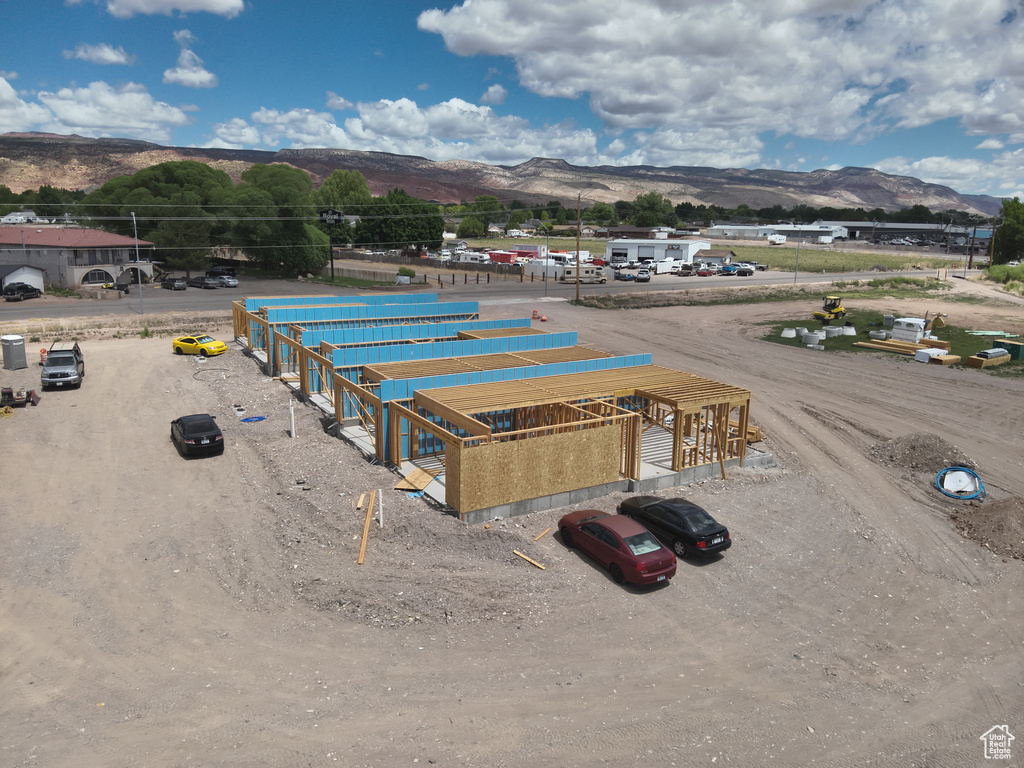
[138,266]
[579,199]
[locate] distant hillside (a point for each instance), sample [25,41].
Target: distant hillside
[28,161]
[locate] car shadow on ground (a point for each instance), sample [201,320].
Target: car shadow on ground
[701,561]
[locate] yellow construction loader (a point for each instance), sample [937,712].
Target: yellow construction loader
[831,309]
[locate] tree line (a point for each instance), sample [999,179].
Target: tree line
[190,210]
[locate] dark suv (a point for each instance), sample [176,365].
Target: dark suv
[219,270]
[21,291]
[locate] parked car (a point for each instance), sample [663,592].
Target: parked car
[174,283]
[624,276]
[64,366]
[678,524]
[628,550]
[744,270]
[729,269]
[200,344]
[197,434]
[204,281]
[218,270]
[227,281]
[643,276]
[20,292]
[706,271]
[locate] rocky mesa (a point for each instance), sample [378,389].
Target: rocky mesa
[28,161]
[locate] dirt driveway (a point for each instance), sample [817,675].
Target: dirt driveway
[162,612]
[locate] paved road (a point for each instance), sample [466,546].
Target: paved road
[156,300]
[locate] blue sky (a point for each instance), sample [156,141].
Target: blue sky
[926,88]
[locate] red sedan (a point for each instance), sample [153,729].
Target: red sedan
[628,550]
[706,272]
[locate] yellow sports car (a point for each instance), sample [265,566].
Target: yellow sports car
[200,344]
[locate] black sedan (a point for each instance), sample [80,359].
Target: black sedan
[197,434]
[204,281]
[20,292]
[678,524]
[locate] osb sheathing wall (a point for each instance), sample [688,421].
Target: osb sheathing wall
[492,474]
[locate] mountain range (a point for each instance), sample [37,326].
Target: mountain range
[30,160]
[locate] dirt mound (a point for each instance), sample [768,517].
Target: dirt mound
[923,452]
[996,525]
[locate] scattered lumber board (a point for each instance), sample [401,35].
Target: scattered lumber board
[531,562]
[945,360]
[416,480]
[366,528]
[909,348]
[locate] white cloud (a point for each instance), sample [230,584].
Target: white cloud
[18,115]
[102,110]
[998,177]
[990,144]
[234,134]
[496,94]
[833,70]
[124,9]
[100,54]
[190,71]
[8,74]
[336,102]
[302,128]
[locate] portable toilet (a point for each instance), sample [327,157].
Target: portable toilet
[14,352]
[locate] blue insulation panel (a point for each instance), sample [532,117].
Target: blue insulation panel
[394,334]
[402,389]
[252,305]
[316,314]
[356,356]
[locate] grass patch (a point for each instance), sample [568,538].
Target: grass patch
[891,287]
[64,293]
[784,259]
[347,282]
[961,342]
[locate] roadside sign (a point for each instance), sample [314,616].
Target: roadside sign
[331,216]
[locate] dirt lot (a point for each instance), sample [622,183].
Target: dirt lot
[162,612]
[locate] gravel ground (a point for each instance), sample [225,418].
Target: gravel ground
[210,612]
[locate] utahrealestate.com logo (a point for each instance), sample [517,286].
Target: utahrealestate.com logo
[997,742]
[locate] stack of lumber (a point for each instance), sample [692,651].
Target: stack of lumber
[909,348]
[944,360]
[986,362]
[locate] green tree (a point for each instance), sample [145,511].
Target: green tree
[345,191]
[471,227]
[184,233]
[652,210]
[293,246]
[602,214]
[399,220]
[918,214]
[1009,235]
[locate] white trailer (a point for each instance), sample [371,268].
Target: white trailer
[588,274]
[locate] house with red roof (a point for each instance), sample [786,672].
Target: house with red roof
[75,257]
